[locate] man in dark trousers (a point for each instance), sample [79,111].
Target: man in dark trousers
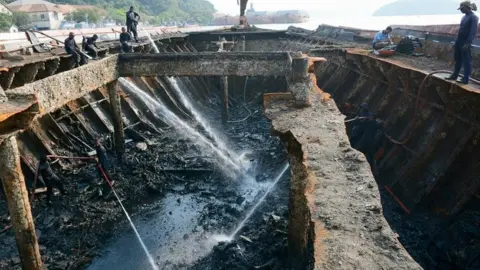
[103,166]
[72,49]
[132,22]
[90,46]
[124,39]
[51,180]
[463,44]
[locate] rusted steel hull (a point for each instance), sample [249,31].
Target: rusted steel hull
[440,124]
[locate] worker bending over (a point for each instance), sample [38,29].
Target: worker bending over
[463,43]
[103,167]
[132,22]
[90,46]
[51,180]
[124,39]
[72,49]
[382,39]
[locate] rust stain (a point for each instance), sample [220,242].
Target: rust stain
[5,116]
[311,62]
[268,98]
[318,243]
[324,97]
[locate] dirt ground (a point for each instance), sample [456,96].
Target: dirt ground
[351,231]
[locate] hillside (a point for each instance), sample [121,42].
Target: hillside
[418,7]
[156,11]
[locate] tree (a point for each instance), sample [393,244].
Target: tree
[22,20]
[116,14]
[82,15]
[5,22]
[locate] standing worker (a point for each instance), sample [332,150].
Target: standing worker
[102,157]
[103,165]
[463,44]
[124,39]
[382,39]
[72,49]
[90,45]
[50,179]
[132,22]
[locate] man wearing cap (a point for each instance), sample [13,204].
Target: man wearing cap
[72,48]
[382,39]
[463,44]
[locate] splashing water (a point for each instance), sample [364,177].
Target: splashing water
[227,165]
[149,256]
[254,208]
[154,46]
[211,132]
[229,238]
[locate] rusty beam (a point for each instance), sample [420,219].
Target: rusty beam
[116,112]
[453,155]
[6,77]
[17,113]
[224,86]
[73,106]
[55,91]
[19,206]
[424,153]
[205,64]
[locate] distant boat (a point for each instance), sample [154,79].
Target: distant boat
[265,17]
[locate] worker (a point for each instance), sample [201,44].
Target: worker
[132,22]
[102,158]
[72,49]
[90,45]
[356,123]
[243,6]
[124,39]
[50,179]
[103,167]
[463,43]
[382,39]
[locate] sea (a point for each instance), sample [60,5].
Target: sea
[370,22]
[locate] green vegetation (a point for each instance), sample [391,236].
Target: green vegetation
[5,22]
[418,7]
[82,15]
[22,20]
[152,11]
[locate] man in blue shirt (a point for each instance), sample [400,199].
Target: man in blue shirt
[463,44]
[382,39]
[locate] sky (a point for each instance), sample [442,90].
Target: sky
[319,7]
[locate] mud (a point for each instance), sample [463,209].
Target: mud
[176,196]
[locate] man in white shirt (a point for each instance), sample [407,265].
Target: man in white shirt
[382,39]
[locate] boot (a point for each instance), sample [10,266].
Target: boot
[451,78]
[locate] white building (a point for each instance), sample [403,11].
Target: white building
[44,15]
[5,9]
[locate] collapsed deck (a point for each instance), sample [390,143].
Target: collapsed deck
[441,139]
